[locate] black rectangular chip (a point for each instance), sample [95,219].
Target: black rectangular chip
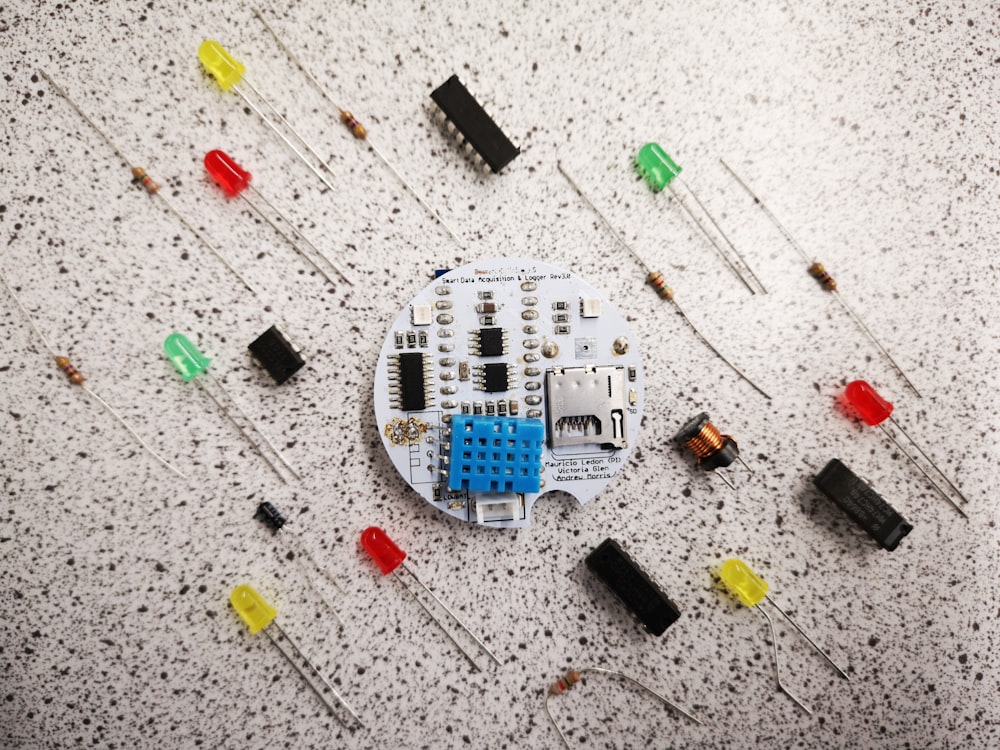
[495,377]
[276,354]
[633,586]
[472,121]
[490,342]
[863,504]
[412,385]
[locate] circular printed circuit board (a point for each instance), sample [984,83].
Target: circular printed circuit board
[503,380]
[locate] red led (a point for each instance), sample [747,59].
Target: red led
[867,402]
[232,178]
[382,549]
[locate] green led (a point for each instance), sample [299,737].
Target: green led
[225,69]
[742,582]
[656,166]
[185,356]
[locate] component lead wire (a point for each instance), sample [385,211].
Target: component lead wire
[155,192]
[777,666]
[86,388]
[791,240]
[326,94]
[651,273]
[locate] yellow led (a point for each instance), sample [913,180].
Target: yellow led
[226,69]
[742,582]
[250,605]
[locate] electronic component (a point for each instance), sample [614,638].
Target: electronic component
[714,450]
[356,128]
[819,272]
[751,590]
[573,676]
[489,342]
[862,504]
[587,396]
[276,354]
[875,410]
[421,315]
[473,126]
[259,616]
[389,558]
[269,515]
[495,454]
[411,390]
[189,362]
[235,181]
[586,405]
[76,378]
[660,171]
[633,586]
[141,178]
[494,377]
[228,72]
[655,279]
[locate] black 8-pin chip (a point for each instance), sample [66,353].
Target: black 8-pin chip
[864,505]
[476,126]
[276,354]
[633,586]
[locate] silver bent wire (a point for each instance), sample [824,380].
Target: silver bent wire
[777,667]
[923,471]
[600,670]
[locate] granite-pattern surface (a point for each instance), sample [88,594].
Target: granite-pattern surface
[869,128]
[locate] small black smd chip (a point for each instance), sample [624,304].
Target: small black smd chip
[490,342]
[495,377]
[412,383]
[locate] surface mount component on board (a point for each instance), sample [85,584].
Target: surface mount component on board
[473,126]
[484,419]
[630,583]
[276,354]
[863,504]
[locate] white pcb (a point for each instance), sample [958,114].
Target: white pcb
[505,379]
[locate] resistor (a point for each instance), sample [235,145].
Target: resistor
[818,272]
[139,175]
[563,684]
[573,676]
[655,279]
[357,129]
[74,375]
[659,284]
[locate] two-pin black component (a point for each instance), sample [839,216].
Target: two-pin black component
[276,354]
[862,504]
[473,126]
[269,515]
[633,586]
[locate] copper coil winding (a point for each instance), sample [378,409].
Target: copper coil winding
[707,442]
[818,272]
[563,684]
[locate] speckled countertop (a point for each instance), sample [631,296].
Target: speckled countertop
[869,128]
